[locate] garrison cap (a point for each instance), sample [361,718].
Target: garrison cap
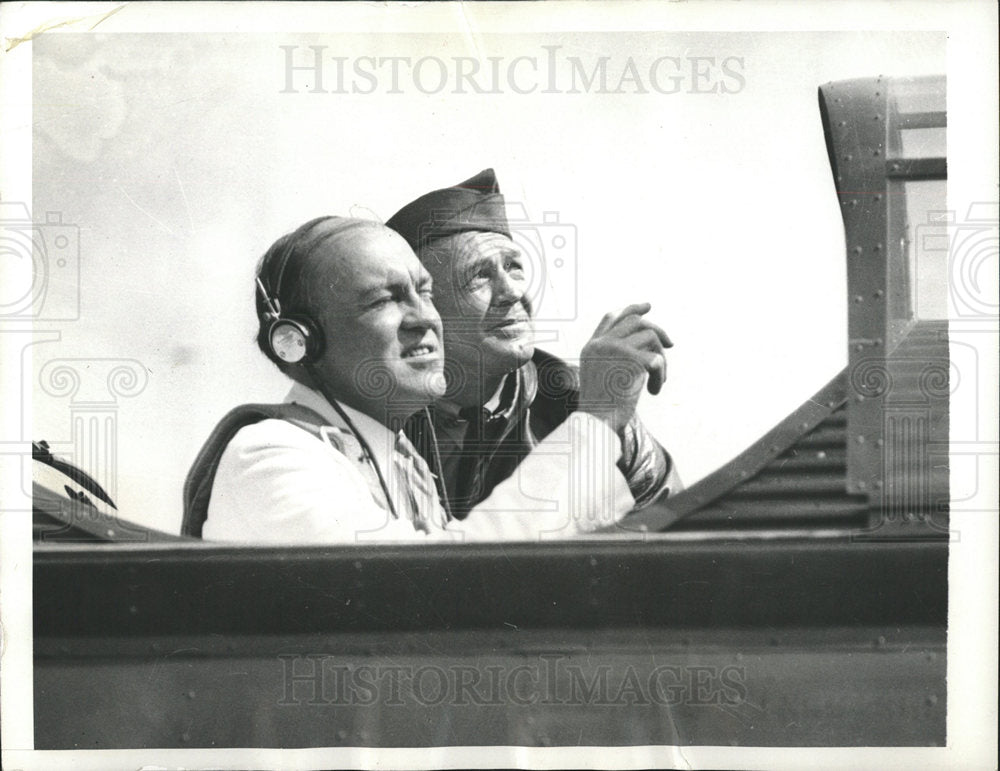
[473,205]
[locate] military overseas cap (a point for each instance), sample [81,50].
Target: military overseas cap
[474,205]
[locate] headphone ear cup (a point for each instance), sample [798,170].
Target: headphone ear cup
[295,341]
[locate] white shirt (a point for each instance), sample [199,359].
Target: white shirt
[277,483]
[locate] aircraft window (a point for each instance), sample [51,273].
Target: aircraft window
[927,251]
[918,95]
[923,143]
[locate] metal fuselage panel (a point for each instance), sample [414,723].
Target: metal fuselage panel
[783,642]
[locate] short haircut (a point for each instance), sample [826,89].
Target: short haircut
[284,269]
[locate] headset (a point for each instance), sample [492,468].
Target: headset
[293,339]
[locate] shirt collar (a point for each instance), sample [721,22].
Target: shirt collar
[380,439]
[500,405]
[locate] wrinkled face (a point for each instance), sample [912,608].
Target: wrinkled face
[479,286]
[372,297]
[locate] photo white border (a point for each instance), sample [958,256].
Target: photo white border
[972,93]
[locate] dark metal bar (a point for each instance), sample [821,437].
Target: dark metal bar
[917,169]
[590,584]
[919,120]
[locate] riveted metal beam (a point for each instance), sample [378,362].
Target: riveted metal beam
[748,464]
[863,127]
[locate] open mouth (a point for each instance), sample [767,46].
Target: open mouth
[417,351]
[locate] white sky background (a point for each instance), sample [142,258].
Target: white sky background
[180,161]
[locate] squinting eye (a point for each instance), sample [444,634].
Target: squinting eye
[478,279]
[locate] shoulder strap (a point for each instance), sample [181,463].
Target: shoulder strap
[198,485]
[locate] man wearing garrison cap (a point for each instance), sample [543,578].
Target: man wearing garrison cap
[503,395]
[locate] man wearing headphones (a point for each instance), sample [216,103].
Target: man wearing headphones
[345,310]
[504,396]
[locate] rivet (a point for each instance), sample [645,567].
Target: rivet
[878,484]
[858,250]
[879,442]
[862,485]
[858,298]
[931,655]
[341,735]
[931,700]
[805,425]
[185,737]
[859,398]
[878,247]
[133,609]
[744,474]
[879,294]
[859,347]
[593,562]
[821,455]
[880,641]
[190,694]
[878,341]
[357,564]
[843,122]
[895,167]
[860,439]
[878,196]
[774,448]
